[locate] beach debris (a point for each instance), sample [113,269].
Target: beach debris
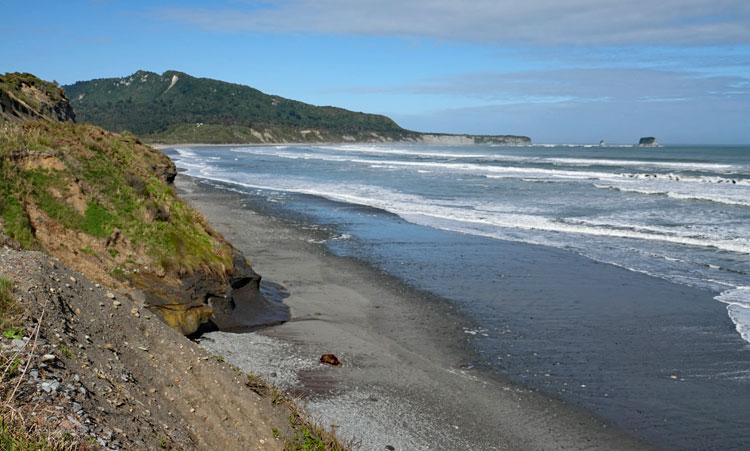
[330,359]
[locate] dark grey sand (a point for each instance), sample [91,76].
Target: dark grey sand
[404,380]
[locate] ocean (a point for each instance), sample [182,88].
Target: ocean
[448,220]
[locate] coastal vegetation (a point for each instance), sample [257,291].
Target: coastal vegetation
[86,180]
[305,434]
[104,204]
[9,311]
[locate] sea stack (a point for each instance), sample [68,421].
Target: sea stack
[648,141]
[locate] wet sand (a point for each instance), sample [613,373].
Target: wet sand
[406,379]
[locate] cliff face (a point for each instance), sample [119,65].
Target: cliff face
[23,97]
[104,204]
[459,140]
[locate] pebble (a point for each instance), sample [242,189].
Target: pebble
[48,357]
[50,386]
[116,304]
[110,295]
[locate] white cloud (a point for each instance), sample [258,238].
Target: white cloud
[545,22]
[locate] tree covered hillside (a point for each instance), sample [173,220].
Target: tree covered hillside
[177,107]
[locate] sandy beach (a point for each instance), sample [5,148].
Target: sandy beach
[405,381]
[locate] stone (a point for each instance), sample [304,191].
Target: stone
[48,357]
[330,359]
[110,295]
[50,386]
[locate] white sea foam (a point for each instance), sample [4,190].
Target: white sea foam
[677,165]
[535,224]
[685,166]
[738,195]
[495,171]
[738,307]
[425,211]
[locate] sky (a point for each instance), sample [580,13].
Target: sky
[559,71]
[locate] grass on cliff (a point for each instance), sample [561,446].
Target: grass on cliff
[306,434]
[118,183]
[15,83]
[10,312]
[15,437]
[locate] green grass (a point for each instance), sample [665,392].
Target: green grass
[15,437]
[118,273]
[117,177]
[306,434]
[309,436]
[10,312]
[13,333]
[15,222]
[12,438]
[88,251]
[65,351]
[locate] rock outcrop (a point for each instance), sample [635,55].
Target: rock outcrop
[23,97]
[648,141]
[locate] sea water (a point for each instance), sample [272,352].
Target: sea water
[681,214]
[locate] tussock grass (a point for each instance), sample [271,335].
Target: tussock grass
[10,311]
[17,435]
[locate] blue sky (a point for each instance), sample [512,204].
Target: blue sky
[558,71]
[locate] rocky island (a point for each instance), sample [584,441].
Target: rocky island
[648,141]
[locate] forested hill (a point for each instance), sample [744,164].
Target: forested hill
[177,107]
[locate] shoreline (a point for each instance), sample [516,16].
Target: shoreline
[403,351]
[163,146]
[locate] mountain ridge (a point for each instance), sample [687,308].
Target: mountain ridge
[175,107]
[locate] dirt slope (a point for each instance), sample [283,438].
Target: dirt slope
[119,376]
